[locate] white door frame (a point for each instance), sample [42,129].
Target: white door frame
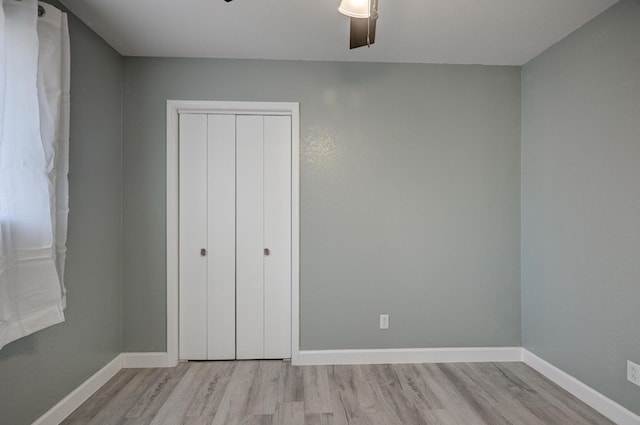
[174,108]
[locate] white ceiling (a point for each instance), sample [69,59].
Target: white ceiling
[493,32]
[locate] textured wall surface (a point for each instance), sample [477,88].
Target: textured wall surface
[38,371]
[410,196]
[581,203]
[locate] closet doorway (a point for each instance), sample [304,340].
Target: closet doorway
[232,230]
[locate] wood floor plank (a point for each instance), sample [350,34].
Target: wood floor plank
[512,409]
[349,395]
[422,397]
[524,394]
[480,400]
[317,393]
[358,399]
[217,376]
[233,406]
[552,395]
[416,388]
[394,404]
[291,384]
[198,394]
[318,419]
[289,413]
[101,399]
[113,413]
[339,411]
[277,393]
[258,420]
[453,401]
[263,393]
[196,420]
[151,400]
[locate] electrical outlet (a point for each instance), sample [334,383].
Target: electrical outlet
[384,321]
[633,373]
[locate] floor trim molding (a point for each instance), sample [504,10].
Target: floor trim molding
[409,355]
[67,405]
[145,360]
[607,407]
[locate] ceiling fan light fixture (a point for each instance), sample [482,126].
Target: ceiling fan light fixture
[355,8]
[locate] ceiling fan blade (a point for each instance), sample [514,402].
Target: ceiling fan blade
[361,29]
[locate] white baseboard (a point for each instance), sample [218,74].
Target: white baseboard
[144,360]
[607,407]
[67,405]
[410,355]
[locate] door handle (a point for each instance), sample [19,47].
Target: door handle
[203,252]
[267,252]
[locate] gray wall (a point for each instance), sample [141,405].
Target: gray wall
[36,372]
[581,203]
[410,196]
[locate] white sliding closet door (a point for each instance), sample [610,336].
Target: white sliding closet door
[221,276]
[250,237]
[263,235]
[207,237]
[277,237]
[235,237]
[193,237]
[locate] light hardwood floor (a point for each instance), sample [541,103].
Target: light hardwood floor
[276,393]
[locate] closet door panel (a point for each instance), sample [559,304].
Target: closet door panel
[221,330]
[193,237]
[277,235]
[249,238]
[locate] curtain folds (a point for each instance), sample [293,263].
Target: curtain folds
[34,145]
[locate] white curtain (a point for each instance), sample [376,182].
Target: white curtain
[34,145]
